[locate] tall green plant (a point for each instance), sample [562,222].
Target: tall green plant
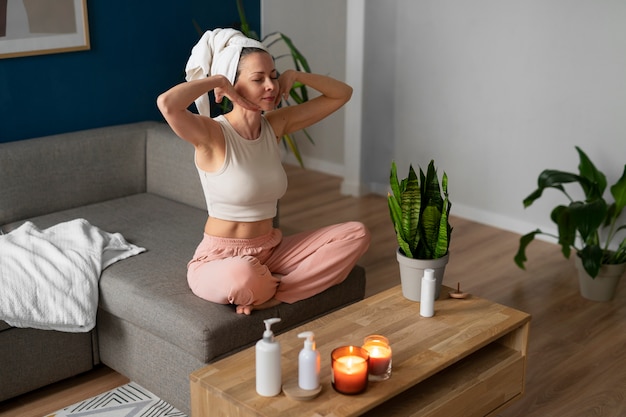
[420,213]
[580,223]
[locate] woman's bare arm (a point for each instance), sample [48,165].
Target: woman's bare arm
[197,129]
[288,119]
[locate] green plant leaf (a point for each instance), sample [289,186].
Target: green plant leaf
[245,27]
[299,60]
[301,97]
[550,178]
[530,199]
[431,217]
[432,211]
[566,229]
[405,247]
[394,201]
[524,241]
[396,217]
[306,133]
[618,191]
[432,192]
[595,183]
[591,257]
[411,205]
[293,146]
[394,184]
[445,230]
[587,218]
[404,207]
[619,255]
[443,239]
[395,212]
[555,178]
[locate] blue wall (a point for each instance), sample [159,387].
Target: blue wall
[138,50]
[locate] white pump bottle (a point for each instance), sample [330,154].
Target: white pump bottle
[427,301]
[268,367]
[308,363]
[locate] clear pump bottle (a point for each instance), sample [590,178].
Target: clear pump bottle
[268,367]
[308,363]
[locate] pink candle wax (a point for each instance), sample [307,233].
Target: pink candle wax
[379,359]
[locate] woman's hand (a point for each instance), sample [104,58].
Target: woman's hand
[227,90]
[285,82]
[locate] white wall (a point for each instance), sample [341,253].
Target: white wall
[494,91]
[318,29]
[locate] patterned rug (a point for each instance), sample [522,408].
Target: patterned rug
[130,400]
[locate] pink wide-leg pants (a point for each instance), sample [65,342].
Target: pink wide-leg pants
[289,269]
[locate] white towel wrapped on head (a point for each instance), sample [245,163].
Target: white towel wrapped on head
[217,52]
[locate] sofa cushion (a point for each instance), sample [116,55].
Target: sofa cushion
[150,290]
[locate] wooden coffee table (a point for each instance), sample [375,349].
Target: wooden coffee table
[467,360]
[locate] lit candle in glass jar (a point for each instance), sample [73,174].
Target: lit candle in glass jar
[380,357]
[349,369]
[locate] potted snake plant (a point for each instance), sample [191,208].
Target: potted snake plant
[419,210]
[588,226]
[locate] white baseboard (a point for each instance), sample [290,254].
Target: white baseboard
[353,189]
[481,216]
[495,219]
[459,210]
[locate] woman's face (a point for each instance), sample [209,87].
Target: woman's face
[258,80]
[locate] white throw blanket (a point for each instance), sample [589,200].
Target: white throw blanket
[49,278]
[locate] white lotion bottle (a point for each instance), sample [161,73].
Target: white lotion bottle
[268,367]
[427,297]
[308,363]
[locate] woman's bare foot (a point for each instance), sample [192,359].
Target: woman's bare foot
[248,309]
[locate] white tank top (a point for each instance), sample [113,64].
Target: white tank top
[252,179]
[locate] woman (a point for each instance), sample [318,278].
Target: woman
[242,259]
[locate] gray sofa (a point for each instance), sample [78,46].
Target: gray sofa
[138,180]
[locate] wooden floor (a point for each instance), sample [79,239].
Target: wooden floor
[577,352]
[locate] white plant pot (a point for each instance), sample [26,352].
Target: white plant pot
[602,287]
[412,271]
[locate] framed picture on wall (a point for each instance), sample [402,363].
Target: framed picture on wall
[36,27]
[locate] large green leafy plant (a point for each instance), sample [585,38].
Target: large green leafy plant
[419,211]
[582,223]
